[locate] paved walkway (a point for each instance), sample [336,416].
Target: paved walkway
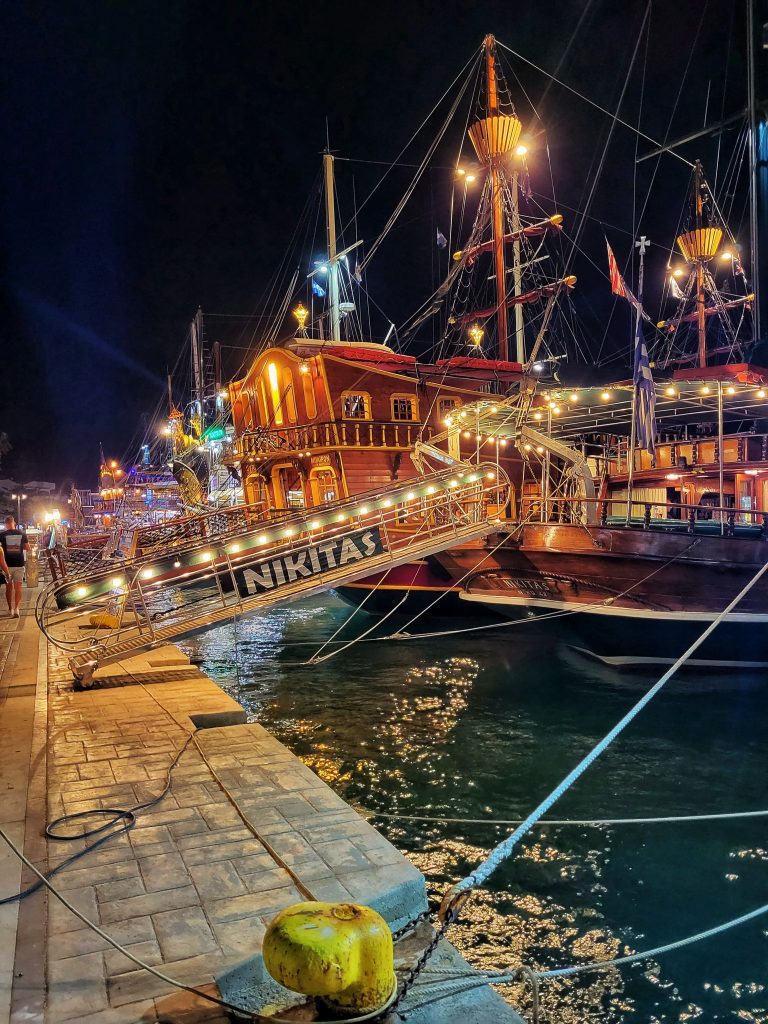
[190,888]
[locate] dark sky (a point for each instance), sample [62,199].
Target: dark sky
[157,156]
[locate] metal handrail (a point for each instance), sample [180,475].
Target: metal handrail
[689,513]
[415,518]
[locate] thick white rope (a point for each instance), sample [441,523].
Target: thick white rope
[503,850]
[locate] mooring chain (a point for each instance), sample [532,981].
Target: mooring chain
[410,978]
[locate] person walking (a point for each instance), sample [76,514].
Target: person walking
[15,546]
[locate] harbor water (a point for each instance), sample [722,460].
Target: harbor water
[482,725]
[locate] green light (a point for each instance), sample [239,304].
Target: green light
[214,433]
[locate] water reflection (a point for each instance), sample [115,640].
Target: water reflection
[484,727]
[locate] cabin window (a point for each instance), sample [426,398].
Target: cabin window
[403,407]
[310,403]
[274,394]
[445,407]
[289,396]
[355,405]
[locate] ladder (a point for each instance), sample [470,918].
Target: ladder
[138,604]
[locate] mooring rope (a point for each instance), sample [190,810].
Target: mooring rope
[503,850]
[582,822]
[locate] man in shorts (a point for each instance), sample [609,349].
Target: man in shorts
[15,547]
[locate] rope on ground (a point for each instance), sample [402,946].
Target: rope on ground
[107,831]
[239,1012]
[582,822]
[459,891]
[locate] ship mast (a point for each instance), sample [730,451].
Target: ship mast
[333,263]
[701,322]
[494,137]
[496,206]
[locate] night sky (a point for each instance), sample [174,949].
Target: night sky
[157,157]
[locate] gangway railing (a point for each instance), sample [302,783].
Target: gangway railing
[141,603]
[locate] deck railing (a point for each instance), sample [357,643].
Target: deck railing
[700,452]
[310,437]
[648,515]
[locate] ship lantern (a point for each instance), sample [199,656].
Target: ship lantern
[476,333]
[301,313]
[701,244]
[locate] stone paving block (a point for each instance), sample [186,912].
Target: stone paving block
[75,877]
[365,885]
[269,878]
[384,857]
[342,856]
[142,1012]
[254,904]
[129,773]
[76,986]
[191,795]
[183,933]
[155,849]
[220,816]
[148,835]
[152,903]
[60,919]
[214,881]
[226,851]
[213,838]
[291,846]
[106,753]
[242,940]
[109,891]
[112,852]
[116,962]
[196,970]
[326,799]
[188,827]
[166,871]
[166,813]
[330,889]
[254,862]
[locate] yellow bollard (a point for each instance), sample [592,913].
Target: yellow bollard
[340,952]
[103,620]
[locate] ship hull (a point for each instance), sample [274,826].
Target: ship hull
[628,596]
[410,589]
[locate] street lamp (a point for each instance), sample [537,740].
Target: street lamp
[19,498]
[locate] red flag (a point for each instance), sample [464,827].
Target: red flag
[619,285]
[617,281]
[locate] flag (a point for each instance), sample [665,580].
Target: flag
[645,395]
[358,274]
[619,285]
[317,289]
[674,289]
[442,241]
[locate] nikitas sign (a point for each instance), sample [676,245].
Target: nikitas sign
[311,560]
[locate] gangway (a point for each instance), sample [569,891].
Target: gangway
[146,601]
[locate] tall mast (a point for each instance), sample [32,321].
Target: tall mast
[700,294]
[333,266]
[196,337]
[496,205]
[753,168]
